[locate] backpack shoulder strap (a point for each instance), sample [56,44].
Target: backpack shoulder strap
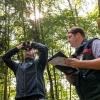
[89,43]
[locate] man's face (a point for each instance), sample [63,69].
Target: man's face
[72,39]
[29,53]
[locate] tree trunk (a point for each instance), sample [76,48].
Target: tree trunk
[5,84]
[98,19]
[51,84]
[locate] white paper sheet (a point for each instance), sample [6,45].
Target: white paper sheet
[58,61]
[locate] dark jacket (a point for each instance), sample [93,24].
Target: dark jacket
[88,81]
[29,74]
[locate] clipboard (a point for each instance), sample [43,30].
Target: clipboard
[58,62]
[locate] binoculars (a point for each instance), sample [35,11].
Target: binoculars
[27,45]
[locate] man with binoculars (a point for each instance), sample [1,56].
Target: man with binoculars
[29,73]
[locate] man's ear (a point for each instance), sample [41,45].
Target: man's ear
[78,35]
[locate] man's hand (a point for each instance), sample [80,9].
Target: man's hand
[73,62]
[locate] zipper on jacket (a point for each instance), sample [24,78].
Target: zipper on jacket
[24,81]
[24,85]
[36,75]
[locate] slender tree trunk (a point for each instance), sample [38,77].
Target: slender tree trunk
[5,84]
[9,87]
[23,22]
[99,8]
[71,8]
[56,86]
[51,84]
[98,19]
[6,69]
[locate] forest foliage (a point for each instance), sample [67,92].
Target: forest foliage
[45,21]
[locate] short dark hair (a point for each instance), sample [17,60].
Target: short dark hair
[75,30]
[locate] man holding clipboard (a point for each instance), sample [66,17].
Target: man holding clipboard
[58,60]
[87,60]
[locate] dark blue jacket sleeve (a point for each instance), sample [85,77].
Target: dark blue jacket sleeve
[43,52]
[8,61]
